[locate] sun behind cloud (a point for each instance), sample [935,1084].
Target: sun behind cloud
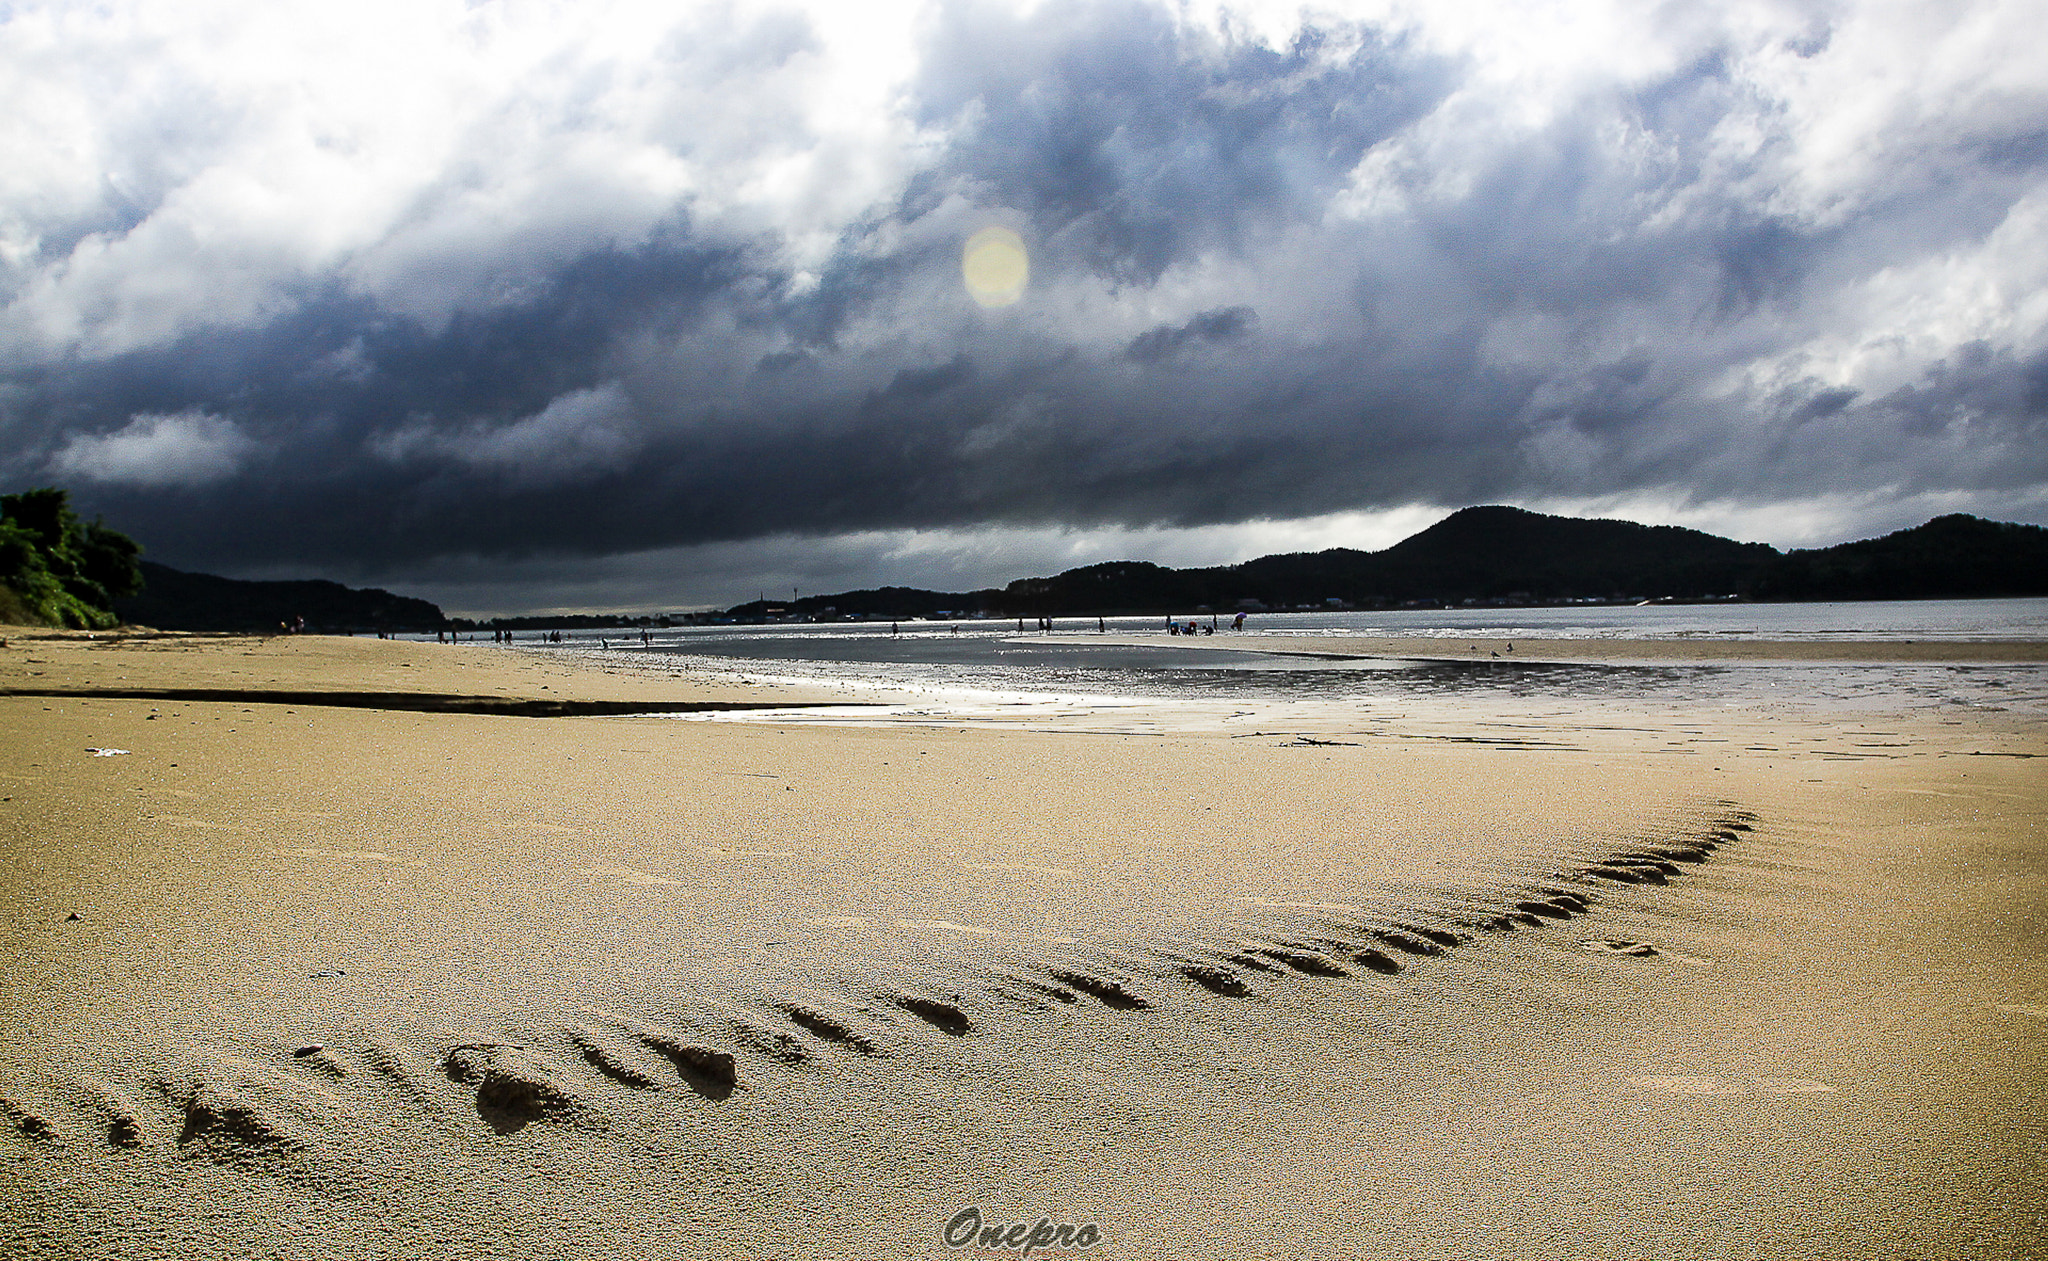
[995,267]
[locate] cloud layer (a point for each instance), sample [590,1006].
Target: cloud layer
[192,448]
[460,291]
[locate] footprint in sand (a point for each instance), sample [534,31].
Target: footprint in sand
[1108,991]
[514,1087]
[1640,950]
[825,1027]
[942,1016]
[1215,980]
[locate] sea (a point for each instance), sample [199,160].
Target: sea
[1089,673]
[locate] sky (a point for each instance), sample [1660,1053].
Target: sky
[529,306]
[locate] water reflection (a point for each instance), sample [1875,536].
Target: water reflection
[1117,675]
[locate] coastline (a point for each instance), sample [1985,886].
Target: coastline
[566,922]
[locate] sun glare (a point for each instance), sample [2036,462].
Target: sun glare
[994,266]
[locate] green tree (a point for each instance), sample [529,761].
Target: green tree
[58,570]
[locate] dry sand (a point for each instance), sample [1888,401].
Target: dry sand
[440,977]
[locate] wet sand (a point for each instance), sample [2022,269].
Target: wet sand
[1690,650]
[392,977]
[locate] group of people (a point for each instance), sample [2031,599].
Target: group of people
[555,637]
[546,637]
[1045,625]
[1192,627]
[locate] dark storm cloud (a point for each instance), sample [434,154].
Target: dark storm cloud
[1987,399]
[1269,281]
[1821,403]
[1165,341]
[1132,145]
[316,388]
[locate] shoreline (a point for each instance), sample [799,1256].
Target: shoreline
[1537,650]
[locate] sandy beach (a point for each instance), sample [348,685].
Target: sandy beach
[349,948]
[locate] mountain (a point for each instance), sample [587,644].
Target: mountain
[1512,556]
[1953,556]
[1489,553]
[172,599]
[1510,553]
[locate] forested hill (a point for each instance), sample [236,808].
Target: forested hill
[172,599]
[1511,556]
[1954,556]
[1508,553]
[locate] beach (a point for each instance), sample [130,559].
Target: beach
[334,948]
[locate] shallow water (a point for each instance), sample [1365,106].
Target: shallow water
[988,670]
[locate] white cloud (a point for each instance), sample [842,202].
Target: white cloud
[190,448]
[578,435]
[208,163]
[201,164]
